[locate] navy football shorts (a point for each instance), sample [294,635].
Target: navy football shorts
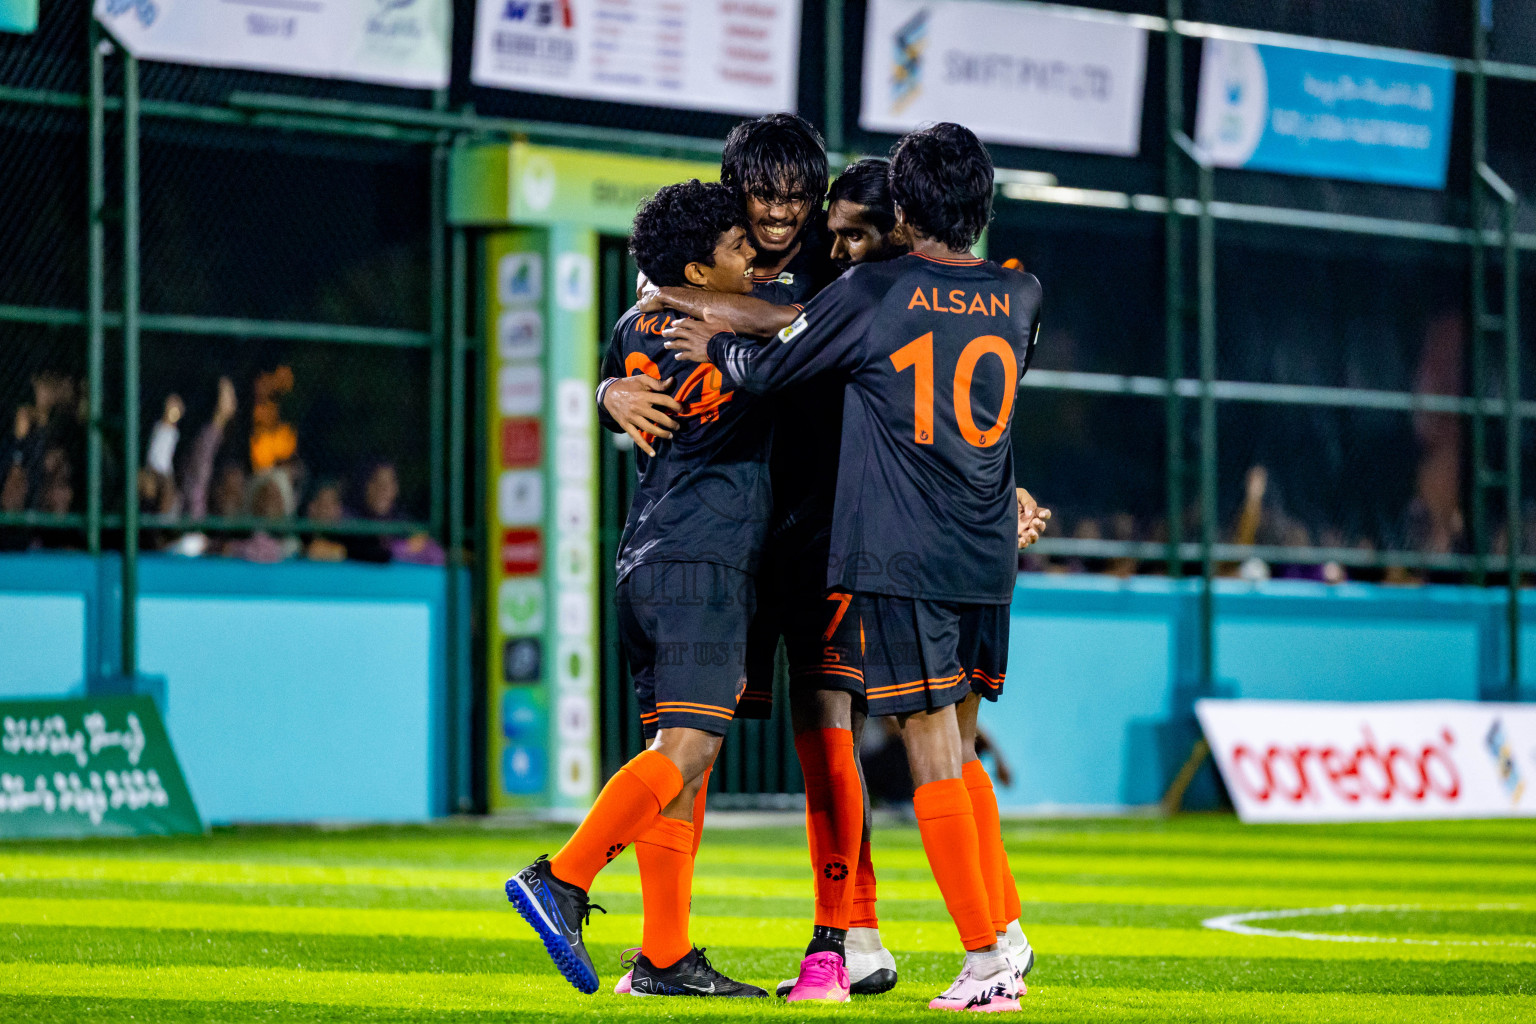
[791,603]
[906,654]
[684,629]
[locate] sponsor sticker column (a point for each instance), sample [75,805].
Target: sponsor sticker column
[542,424]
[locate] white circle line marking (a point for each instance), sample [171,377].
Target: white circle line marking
[1237,924]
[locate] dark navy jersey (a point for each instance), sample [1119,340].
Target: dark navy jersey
[809,417]
[932,352]
[705,497]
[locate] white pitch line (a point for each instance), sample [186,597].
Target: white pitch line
[1237,924]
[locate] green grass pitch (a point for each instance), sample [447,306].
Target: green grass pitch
[411,924]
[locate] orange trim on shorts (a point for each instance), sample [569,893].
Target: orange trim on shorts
[902,689]
[992,681]
[679,707]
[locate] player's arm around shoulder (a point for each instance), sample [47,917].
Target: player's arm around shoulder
[824,338]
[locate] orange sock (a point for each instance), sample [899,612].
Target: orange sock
[623,810]
[1011,908]
[665,855]
[948,828]
[864,892]
[989,832]
[834,819]
[698,811]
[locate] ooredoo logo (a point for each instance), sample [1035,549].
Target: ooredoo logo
[1416,771]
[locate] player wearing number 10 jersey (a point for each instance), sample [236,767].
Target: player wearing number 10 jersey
[932,346]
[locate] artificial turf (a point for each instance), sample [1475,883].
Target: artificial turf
[407,924]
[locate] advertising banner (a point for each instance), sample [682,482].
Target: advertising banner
[1292,761]
[1017,73]
[546,185]
[392,42]
[18,15]
[542,362]
[1326,114]
[101,766]
[724,55]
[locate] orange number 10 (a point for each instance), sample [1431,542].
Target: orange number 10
[918,353]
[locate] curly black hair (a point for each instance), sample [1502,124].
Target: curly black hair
[867,183]
[777,158]
[682,224]
[941,179]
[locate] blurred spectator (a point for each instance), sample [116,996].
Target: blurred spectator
[325,507]
[271,498]
[380,494]
[272,440]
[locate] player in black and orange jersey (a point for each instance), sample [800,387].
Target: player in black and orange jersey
[827,722]
[932,346]
[686,567]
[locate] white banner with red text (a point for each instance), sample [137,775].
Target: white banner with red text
[733,56]
[1295,761]
[394,42]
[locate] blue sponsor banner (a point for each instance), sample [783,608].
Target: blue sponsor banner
[1326,114]
[18,15]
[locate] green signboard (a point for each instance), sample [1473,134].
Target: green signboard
[102,766]
[18,15]
[543,186]
[541,365]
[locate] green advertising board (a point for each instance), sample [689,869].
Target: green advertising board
[18,15]
[101,766]
[544,186]
[541,343]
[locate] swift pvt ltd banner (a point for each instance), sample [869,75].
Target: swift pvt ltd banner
[1326,114]
[733,56]
[1391,760]
[392,42]
[1012,72]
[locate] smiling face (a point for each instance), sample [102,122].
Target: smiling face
[776,221]
[855,239]
[732,272]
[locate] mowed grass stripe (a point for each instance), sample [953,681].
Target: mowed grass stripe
[390,953]
[793,881]
[459,992]
[932,936]
[788,863]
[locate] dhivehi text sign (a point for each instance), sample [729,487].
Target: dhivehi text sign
[1390,760]
[392,42]
[733,56]
[18,15]
[1015,73]
[1326,114]
[101,766]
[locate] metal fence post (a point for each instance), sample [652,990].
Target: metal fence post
[437,322]
[1206,313]
[130,588]
[459,689]
[95,328]
[1173,290]
[832,72]
[1482,478]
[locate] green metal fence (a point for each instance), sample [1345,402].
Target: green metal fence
[113,124]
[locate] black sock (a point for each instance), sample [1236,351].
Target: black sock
[827,940]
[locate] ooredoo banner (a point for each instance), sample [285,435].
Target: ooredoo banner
[1018,73]
[1298,110]
[1293,761]
[393,42]
[733,56]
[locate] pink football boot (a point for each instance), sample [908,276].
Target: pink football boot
[823,976]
